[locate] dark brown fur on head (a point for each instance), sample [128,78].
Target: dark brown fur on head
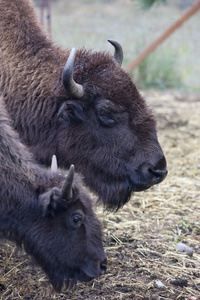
[63,235]
[109,133]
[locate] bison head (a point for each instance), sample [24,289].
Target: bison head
[106,129]
[64,236]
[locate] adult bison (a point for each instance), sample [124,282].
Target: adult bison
[80,106]
[57,226]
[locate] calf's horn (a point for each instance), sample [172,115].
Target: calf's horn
[54,164]
[118,55]
[74,89]
[67,186]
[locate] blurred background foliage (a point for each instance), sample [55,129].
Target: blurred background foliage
[89,23]
[146,4]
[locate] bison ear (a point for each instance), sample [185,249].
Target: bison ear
[56,199]
[71,112]
[51,201]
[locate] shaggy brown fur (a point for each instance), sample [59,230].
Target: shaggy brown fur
[109,134]
[64,236]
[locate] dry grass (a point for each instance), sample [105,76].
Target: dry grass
[140,239]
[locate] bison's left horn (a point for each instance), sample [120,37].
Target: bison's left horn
[118,55]
[73,88]
[54,164]
[67,186]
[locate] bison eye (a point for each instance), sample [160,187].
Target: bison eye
[106,120]
[77,219]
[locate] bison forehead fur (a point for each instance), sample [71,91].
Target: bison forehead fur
[63,235]
[108,132]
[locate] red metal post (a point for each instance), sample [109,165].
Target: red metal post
[46,4]
[49,17]
[42,12]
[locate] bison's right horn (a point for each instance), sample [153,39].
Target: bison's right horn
[73,88]
[67,186]
[118,55]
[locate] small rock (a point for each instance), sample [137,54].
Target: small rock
[192,298]
[181,247]
[179,282]
[158,284]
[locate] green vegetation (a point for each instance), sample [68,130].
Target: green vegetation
[185,226]
[158,70]
[146,4]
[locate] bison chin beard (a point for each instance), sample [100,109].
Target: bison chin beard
[69,279]
[114,194]
[58,280]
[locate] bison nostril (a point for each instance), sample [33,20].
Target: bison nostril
[103,266]
[159,175]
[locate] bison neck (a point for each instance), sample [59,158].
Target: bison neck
[21,35]
[26,58]
[15,222]
[26,52]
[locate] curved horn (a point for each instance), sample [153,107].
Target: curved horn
[118,55]
[73,88]
[67,186]
[54,164]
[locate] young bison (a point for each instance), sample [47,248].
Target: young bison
[80,106]
[57,226]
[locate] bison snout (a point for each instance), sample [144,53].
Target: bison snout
[103,266]
[156,173]
[149,174]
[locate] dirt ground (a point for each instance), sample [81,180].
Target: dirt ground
[140,239]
